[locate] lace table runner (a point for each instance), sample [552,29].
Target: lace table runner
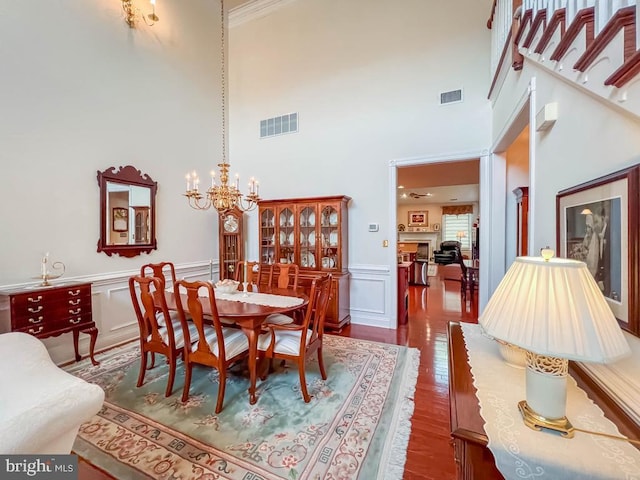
[266,299]
[521,452]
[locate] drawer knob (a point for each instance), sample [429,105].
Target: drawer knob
[35,300]
[74,293]
[35,310]
[74,302]
[75,321]
[35,332]
[35,320]
[75,312]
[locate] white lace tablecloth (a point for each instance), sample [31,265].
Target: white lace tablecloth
[521,452]
[266,299]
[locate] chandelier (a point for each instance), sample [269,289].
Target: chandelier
[222,195]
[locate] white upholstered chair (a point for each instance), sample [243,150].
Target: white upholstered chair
[41,405]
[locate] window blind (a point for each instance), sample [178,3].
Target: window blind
[453,224]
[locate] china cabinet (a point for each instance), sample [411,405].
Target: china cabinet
[230,228]
[312,233]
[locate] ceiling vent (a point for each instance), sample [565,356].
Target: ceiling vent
[279,125]
[454,96]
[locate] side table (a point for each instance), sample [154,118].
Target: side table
[51,311]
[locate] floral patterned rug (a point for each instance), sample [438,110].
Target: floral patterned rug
[357,424]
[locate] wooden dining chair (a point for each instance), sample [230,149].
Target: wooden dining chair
[295,342]
[159,270]
[158,332]
[217,346]
[254,273]
[283,275]
[466,283]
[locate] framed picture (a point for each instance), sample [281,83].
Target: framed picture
[119,219]
[435,227]
[418,219]
[597,223]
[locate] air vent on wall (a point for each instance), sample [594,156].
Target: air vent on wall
[453,96]
[279,125]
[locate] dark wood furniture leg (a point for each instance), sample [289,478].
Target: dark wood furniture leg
[93,332]
[252,334]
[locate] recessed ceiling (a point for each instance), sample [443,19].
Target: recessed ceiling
[448,182]
[450,194]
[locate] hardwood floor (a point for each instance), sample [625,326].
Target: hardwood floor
[430,454]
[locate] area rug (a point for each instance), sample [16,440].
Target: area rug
[432,270]
[356,425]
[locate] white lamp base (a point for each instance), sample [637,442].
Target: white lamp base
[546,381]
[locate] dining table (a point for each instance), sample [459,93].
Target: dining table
[248,311]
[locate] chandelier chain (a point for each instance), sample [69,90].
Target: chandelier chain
[222,196]
[223,82]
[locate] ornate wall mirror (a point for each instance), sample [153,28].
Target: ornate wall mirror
[127,212]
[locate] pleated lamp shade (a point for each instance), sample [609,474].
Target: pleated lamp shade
[554,308]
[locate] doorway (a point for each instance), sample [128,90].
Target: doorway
[447,163]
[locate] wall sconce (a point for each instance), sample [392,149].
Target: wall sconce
[130,13]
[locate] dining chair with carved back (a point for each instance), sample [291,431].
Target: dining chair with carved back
[254,273]
[466,282]
[160,270]
[159,333]
[295,342]
[283,275]
[217,346]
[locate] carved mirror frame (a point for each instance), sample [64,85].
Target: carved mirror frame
[127,175]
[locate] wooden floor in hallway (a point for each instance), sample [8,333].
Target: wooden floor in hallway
[430,454]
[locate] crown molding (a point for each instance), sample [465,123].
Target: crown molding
[253,10]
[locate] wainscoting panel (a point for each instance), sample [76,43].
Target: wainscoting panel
[371,296]
[370,292]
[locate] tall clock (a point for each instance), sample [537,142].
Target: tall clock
[230,228]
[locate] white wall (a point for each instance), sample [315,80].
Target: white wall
[365,78]
[590,139]
[82,92]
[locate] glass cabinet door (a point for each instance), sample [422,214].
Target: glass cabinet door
[307,228]
[267,236]
[330,238]
[286,238]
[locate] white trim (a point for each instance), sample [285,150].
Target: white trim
[116,277]
[253,10]
[533,130]
[503,136]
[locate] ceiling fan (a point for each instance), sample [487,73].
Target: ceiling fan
[420,195]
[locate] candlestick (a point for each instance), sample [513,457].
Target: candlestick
[246,279]
[45,259]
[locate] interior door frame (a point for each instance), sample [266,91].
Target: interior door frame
[486,205]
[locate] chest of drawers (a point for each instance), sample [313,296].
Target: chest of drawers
[51,311]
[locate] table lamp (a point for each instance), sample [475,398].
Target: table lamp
[552,308]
